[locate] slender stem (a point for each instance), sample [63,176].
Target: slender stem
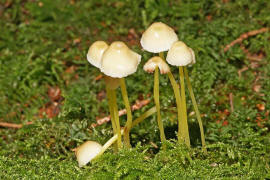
[184,107]
[116,118]
[109,96]
[129,114]
[193,99]
[178,104]
[134,123]
[156,99]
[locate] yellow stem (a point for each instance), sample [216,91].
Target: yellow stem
[134,123]
[193,99]
[116,119]
[156,99]
[129,114]
[184,107]
[109,97]
[178,104]
[179,109]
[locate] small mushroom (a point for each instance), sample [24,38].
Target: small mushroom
[95,53]
[181,55]
[94,57]
[157,64]
[118,61]
[91,150]
[87,151]
[154,62]
[158,38]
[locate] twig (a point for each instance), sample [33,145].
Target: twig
[245,68]
[245,36]
[136,106]
[12,125]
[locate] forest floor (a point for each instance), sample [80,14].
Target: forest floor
[51,97]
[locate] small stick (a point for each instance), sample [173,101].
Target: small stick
[245,36]
[136,106]
[12,125]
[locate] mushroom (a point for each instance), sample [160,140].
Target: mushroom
[159,38]
[87,151]
[118,61]
[95,53]
[94,57]
[157,64]
[91,150]
[181,55]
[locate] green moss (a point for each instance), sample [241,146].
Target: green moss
[38,42]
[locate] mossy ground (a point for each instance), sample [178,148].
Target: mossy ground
[43,44]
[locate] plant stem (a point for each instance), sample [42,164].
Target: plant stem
[129,114]
[134,123]
[109,97]
[178,103]
[156,99]
[184,107]
[116,119]
[193,99]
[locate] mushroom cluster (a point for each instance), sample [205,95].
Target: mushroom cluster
[116,61]
[159,38]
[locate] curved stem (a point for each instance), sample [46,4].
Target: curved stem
[193,99]
[129,114]
[134,123]
[109,97]
[116,119]
[156,99]
[179,108]
[184,106]
[178,104]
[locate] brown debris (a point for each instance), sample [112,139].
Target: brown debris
[101,95]
[260,107]
[12,125]
[54,93]
[245,68]
[136,106]
[52,108]
[245,36]
[250,56]
[99,77]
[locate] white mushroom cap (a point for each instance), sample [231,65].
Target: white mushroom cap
[95,53]
[154,62]
[87,151]
[158,38]
[180,54]
[119,61]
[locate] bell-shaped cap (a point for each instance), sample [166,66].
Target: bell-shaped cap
[87,151]
[154,62]
[95,53]
[119,61]
[158,38]
[180,54]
